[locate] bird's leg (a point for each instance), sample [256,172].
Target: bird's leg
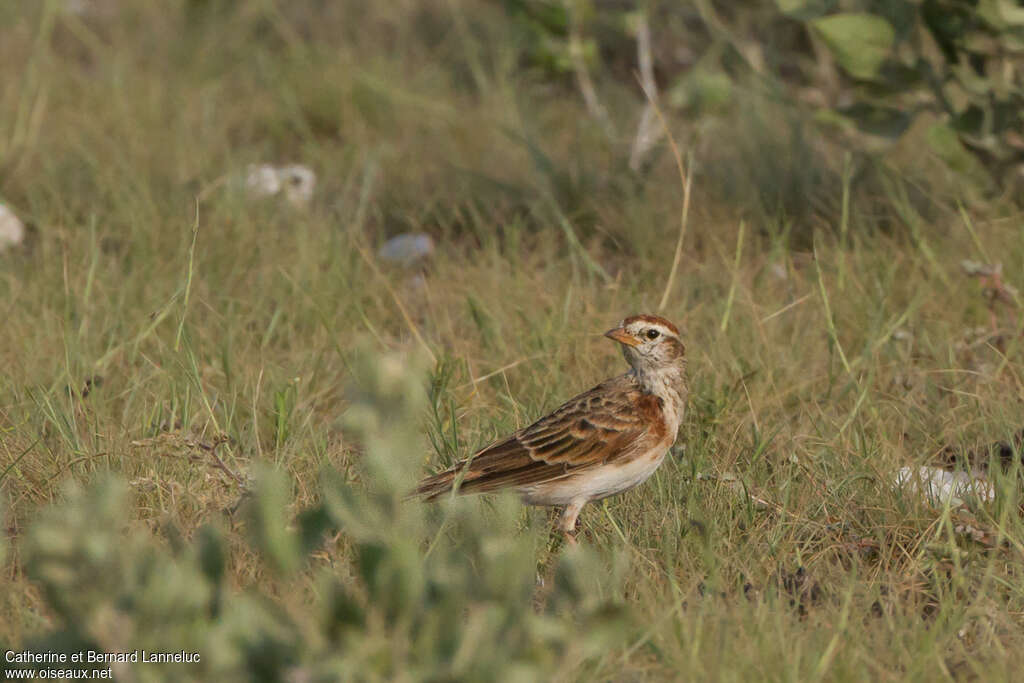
[567,522]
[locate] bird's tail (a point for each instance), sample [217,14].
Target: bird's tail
[435,486]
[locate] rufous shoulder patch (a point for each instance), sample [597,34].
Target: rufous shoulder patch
[652,411]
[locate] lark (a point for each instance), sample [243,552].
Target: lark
[603,442]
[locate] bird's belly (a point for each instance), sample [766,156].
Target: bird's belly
[594,484]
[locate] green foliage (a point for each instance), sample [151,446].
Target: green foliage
[705,89]
[414,599]
[117,589]
[961,62]
[860,41]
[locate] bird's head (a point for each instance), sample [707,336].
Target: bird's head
[649,342]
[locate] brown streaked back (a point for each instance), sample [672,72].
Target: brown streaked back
[587,431]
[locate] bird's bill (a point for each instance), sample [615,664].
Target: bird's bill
[620,335]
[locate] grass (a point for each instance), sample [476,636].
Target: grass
[218,335]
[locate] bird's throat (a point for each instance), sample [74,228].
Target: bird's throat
[667,382]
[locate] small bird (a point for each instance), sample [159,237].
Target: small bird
[603,442]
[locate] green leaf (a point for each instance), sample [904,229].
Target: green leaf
[1001,14]
[393,574]
[947,145]
[211,553]
[314,524]
[341,612]
[859,41]
[702,90]
[268,515]
[790,6]
[804,10]
[975,85]
[371,557]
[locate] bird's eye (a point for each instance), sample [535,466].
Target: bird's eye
[652,334]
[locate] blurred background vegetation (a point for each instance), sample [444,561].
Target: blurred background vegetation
[213,397]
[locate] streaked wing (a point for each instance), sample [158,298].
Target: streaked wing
[609,422]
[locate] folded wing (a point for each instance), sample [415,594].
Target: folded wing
[611,421]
